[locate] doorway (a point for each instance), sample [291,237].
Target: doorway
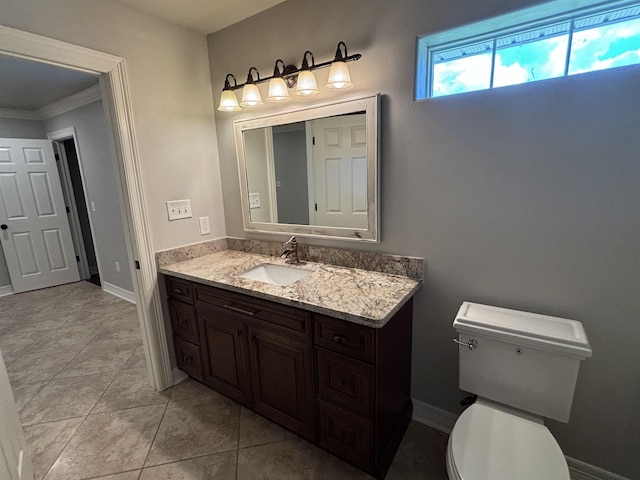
[78,204]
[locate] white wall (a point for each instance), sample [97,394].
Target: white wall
[525,197]
[96,158]
[170,91]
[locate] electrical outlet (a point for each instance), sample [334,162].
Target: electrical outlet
[205,228]
[254,200]
[117,267]
[177,209]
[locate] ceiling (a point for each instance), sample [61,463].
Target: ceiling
[204,16]
[28,85]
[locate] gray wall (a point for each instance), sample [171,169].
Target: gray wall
[15,128]
[525,197]
[99,171]
[290,160]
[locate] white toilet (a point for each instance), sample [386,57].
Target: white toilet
[523,367]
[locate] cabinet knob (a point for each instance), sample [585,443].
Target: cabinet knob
[341,339]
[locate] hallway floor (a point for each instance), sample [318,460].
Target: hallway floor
[76,365]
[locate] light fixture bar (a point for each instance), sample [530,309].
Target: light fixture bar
[292,71]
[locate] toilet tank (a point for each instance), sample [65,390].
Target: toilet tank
[520,359]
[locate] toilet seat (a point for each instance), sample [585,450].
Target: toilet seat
[490,443]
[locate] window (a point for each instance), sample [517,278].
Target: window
[565,44]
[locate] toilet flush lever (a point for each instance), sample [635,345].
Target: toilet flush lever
[471,344]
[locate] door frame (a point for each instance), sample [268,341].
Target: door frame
[116,100]
[57,139]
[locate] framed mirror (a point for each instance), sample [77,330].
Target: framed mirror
[312,172]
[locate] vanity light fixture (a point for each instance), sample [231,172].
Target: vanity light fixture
[339,78]
[250,93]
[288,76]
[228,99]
[306,79]
[278,91]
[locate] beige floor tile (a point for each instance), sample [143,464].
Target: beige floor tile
[194,393]
[66,398]
[421,455]
[108,443]
[23,341]
[24,392]
[130,388]
[98,358]
[256,430]
[46,441]
[189,431]
[137,359]
[221,466]
[293,460]
[131,475]
[39,366]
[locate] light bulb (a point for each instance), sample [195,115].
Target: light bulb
[278,90]
[307,84]
[339,78]
[228,102]
[251,96]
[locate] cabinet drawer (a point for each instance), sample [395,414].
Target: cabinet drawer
[188,358]
[345,337]
[183,321]
[346,435]
[180,289]
[296,323]
[345,382]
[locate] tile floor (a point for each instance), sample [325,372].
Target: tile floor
[75,361]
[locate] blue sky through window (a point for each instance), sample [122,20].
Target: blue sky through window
[539,55]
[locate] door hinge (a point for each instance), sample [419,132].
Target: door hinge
[137,265]
[77,258]
[57,157]
[67,209]
[316,207]
[313,140]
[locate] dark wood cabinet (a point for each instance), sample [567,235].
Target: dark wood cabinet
[282,373]
[341,385]
[225,353]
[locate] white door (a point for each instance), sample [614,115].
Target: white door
[340,171]
[35,231]
[15,462]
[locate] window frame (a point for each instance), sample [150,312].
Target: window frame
[491,29]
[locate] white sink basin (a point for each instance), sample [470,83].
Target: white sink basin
[275,274]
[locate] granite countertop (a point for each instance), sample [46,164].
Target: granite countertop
[359,296]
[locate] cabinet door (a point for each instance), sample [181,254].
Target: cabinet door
[282,374]
[225,354]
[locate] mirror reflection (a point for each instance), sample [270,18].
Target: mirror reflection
[310,172]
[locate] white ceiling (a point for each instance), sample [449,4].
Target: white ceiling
[28,85]
[204,16]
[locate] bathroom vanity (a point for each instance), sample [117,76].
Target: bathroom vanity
[328,357]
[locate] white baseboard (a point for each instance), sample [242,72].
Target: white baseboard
[6,290]
[178,375]
[433,416]
[119,292]
[444,420]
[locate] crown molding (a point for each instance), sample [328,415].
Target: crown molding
[77,100]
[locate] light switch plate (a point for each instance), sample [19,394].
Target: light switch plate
[254,200]
[177,209]
[205,228]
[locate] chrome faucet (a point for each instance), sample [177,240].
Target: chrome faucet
[291,251]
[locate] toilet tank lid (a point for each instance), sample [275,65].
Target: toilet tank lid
[542,331]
